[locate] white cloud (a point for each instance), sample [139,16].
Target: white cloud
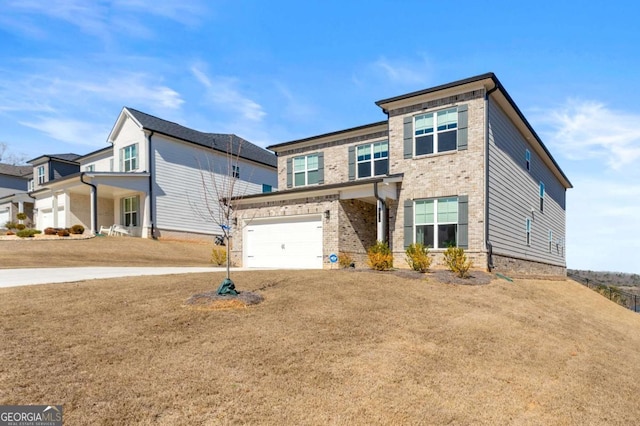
[69,130]
[589,129]
[223,92]
[404,72]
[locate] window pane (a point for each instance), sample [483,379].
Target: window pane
[447,141]
[298,164]
[134,203]
[364,169]
[381,150]
[381,167]
[424,235]
[299,179]
[312,162]
[424,212]
[448,210]
[448,119]
[424,145]
[364,152]
[313,177]
[424,123]
[447,235]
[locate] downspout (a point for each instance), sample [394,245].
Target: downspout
[94,208]
[381,212]
[488,246]
[151,199]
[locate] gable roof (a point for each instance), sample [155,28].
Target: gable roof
[217,141]
[18,171]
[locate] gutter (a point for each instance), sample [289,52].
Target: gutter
[382,213]
[151,199]
[488,245]
[94,208]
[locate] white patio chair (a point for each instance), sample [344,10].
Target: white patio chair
[120,231]
[106,230]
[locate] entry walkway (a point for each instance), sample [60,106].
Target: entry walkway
[30,276]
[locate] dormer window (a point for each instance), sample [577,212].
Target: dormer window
[41,175]
[129,156]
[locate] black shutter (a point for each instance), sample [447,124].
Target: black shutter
[321,167]
[289,172]
[408,137]
[463,221]
[352,163]
[463,124]
[408,223]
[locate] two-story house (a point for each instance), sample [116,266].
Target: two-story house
[156,179]
[457,164]
[14,184]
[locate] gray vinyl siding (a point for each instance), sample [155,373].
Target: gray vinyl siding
[58,169]
[514,194]
[12,184]
[178,189]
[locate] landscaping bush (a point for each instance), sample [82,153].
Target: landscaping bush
[456,260]
[27,233]
[345,260]
[418,257]
[50,231]
[10,233]
[21,216]
[20,226]
[63,233]
[380,257]
[10,225]
[77,229]
[219,256]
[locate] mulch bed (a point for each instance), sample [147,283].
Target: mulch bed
[436,275]
[211,301]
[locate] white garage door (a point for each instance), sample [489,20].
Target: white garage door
[4,217]
[284,243]
[46,219]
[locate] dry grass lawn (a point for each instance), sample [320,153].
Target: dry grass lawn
[103,251]
[325,347]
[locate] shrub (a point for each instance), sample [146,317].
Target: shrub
[21,216]
[380,257]
[418,257]
[63,233]
[345,260]
[20,226]
[77,229]
[10,233]
[219,256]
[10,225]
[456,261]
[27,233]
[50,231]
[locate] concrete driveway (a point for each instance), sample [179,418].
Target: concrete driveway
[30,276]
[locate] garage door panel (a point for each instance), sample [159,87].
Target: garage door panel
[285,243]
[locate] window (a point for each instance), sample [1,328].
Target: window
[90,168]
[550,241]
[436,132]
[30,185]
[129,155]
[305,170]
[528,231]
[266,188]
[436,222]
[130,211]
[541,197]
[372,159]
[41,177]
[235,171]
[527,156]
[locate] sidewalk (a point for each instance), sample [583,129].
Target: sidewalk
[30,276]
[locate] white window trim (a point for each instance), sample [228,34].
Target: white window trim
[372,160]
[235,172]
[41,176]
[435,221]
[306,170]
[133,161]
[435,133]
[135,198]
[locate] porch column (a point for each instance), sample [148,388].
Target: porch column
[146,218]
[54,209]
[21,208]
[381,221]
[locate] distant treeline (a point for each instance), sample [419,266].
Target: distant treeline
[607,278]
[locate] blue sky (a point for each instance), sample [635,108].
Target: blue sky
[280,70]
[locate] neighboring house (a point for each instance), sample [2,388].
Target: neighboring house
[155,179]
[457,164]
[14,184]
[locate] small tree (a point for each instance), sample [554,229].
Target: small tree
[380,257]
[417,256]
